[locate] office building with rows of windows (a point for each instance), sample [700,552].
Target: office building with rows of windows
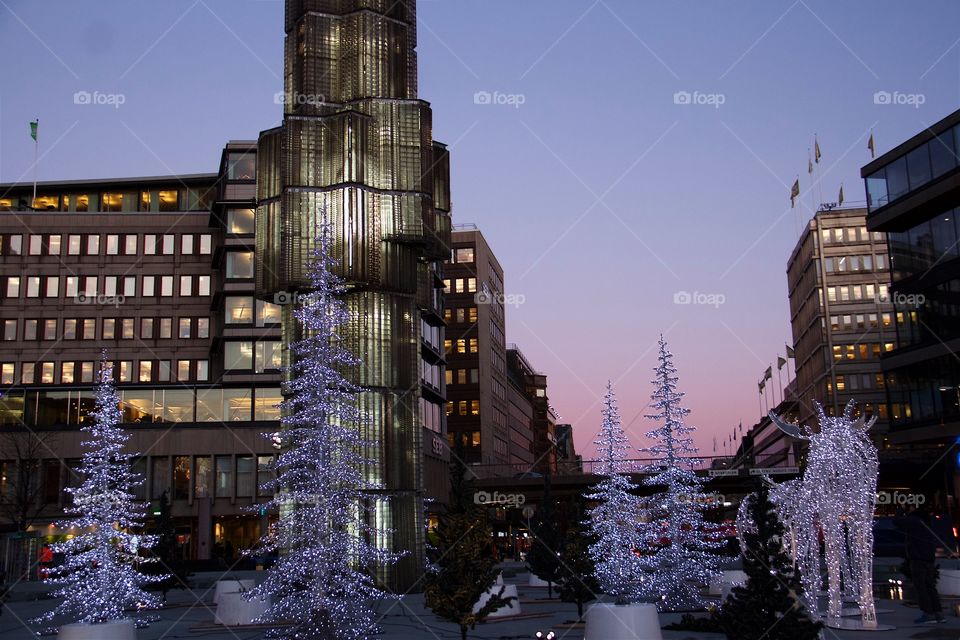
[913,196]
[842,320]
[157,273]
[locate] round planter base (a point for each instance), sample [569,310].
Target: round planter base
[607,621]
[113,630]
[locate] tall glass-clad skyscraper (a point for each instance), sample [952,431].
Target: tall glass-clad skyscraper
[357,145]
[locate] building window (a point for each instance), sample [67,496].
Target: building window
[181,477]
[203,327]
[267,313]
[203,285]
[186,244]
[69,329]
[9,330]
[149,244]
[240,264]
[126,371]
[268,355]
[245,476]
[130,245]
[27,370]
[241,166]
[166,328]
[129,286]
[185,325]
[167,244]
[126,329]
[109,329]
[203,370]
[33,286]
[50,329]
[464,255]
[161,477]
[30,328]
[66,372]
[166,286]
[241,221]
[86,371]
[186,286]
[93,245]
[113,245]
[183,370]
[13,287]
[203,480]
[53,287]
[46,373]
[90,329]
[239,309]
[74,243]
[8,373]
[224,476]
[238,355]
[206,244]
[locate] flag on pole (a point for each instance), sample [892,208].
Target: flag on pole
[790,352]
[714,444]
[34,125]
[760,387]
[780,362]
[768,374]
[741,426]
[794,192]
[872,146]
[840,197]
[809,162]
[816,149]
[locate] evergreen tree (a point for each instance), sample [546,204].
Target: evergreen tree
[543,557]
[768,605]
[322,581]
[684,557]
[577,570]
[166,550]
[462,566]
[613,523]
[100,577]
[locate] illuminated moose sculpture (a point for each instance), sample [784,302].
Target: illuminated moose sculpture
[837,494]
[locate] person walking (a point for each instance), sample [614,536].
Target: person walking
[922,543]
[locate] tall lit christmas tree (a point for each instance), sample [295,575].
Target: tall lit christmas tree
[613,522]
[99,577]
[322,584]
[684,557]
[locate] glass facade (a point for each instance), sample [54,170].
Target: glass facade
[913,170]
[356,147]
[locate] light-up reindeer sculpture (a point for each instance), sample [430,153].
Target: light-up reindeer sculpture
[837,494]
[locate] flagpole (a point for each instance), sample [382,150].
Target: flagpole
[36,160]
[780,382]
[760,402]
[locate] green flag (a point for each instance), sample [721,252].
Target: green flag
[33,129]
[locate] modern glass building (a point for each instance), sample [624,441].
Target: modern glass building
[913,195]
[356,148]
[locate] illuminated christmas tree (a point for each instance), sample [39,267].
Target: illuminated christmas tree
[99,578]
[322,585]
[613,522]
[684,557]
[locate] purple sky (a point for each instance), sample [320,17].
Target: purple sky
[601,196]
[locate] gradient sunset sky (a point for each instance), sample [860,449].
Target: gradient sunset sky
[600,194]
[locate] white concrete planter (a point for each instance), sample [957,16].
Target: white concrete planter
[231,586]
[535,581]
[233,609]
[606,621]
[511,609]
[949,582]
[113,630]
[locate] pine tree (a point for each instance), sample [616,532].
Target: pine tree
[325,532]
[462,566]
[768,606]
[100,578]
[543,557]
[613,522]
[577,569]
[684,557]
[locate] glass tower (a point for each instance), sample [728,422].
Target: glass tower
[357,146]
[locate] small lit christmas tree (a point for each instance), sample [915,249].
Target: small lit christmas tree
[684,557]
[99,578]
[613,522]
[322,584]
[768,605]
